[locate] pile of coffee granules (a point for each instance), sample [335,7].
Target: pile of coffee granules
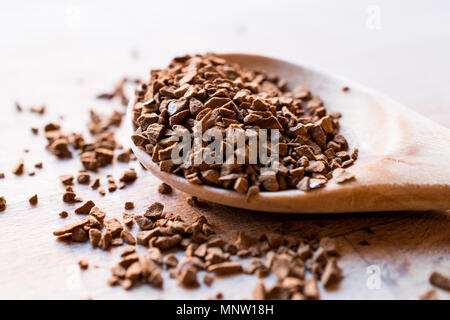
[296,262]
[207,89]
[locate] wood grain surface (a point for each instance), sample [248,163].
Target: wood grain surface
[62,54]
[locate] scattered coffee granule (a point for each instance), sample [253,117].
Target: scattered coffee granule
[164,188]
[311,290]
[94,237]
[289,256]
[38,165]
[69,197]
[39,110]
[18,106]
[429,295]
[35,131]
[188,277]
[129,205]
[2,175]
[118,91]
[259,291]
[111,183]
[58,143]
[128,176]
[33,200]
[2,204]
[124,157]
[66,179]
[208,279]
[83,264]
[192,201]
[63,214]
[127,237]
[439,280]
[95,184]
[19,168]
[101,191]
[345,89]
[85,208]
[31,173]
[83,177]
[222,95]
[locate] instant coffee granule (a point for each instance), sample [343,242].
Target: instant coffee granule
[2,204]
[208,90]
[33,200]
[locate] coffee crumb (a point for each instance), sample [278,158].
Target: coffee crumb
[66,179]
[83,177]
[164,188]
[2,204]
[39,110]
[129,205]
[18,106]
[19,168]
[63,214]
[429,295]
[85,208]
[208,279]
[192,201]
[95,184]
[38,165]
[2,175]
[439,280]
[83,264]
[33,200]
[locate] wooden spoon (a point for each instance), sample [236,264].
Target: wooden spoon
[403,161]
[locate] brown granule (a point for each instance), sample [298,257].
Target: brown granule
[39,110]
[129,205]
[101,191]
[95,184]
[66,179]
[222,95]
[118,92]
[127,237]
[164,188]
[429,295]
[35,131]
[208,279]
[192,201]
[128,176]
[33,200]
[83,264]
[85,208]
[83,177]
[39,165]
[58,143]
[128,219]
[2,175]
[19,168]
[124,157]
[31,173]
[439,280]
[63,214]
[94,237]
[18,106]
[2,204]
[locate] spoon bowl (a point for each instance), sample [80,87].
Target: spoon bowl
[402,162]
